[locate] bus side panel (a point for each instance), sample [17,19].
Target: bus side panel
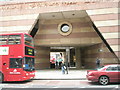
[5,66]
[19,75]
[16,51]
[14,74]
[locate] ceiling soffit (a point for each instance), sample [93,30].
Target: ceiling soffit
[63,15]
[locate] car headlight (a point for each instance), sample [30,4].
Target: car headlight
[91,74]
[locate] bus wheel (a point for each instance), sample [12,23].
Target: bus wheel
[1,77]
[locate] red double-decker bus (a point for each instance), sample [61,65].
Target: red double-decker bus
[16,57]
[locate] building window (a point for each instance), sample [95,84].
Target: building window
[65,28]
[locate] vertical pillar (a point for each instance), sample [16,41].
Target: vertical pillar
[64,56]
[42,57]
[78,58]
[68,55]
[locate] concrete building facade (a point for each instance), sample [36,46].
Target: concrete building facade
[91,29]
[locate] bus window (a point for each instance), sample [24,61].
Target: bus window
[15,63]
[3,40]
[29,64]
[14,39]
[28,40]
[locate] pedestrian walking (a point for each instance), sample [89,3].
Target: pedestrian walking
[64,68]
[98,62]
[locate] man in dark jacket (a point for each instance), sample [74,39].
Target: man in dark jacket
[98,62]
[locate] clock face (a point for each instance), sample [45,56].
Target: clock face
[65,28]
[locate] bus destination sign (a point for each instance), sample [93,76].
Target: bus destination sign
[29,51]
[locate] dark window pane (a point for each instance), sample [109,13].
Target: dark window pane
[109,69]
[3,39]
[15,63]
[118,68]
[28,40]
[29,64]
[14,39]
[115,68]
[29,51]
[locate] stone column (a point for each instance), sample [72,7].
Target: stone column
[68,55]
[78,58]
[64,56]
[42,57]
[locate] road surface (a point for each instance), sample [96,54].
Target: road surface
[81,84]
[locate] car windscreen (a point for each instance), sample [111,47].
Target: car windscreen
[100,68]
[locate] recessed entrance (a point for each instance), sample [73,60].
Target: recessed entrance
[59,54]
[75,44]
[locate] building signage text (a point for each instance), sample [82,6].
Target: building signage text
[32,5]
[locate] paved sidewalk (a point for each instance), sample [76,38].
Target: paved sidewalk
[57,75]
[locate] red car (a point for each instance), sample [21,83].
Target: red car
[105,75]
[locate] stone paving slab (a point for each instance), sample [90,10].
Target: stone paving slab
[57,74]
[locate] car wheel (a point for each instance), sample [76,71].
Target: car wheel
[104,80]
